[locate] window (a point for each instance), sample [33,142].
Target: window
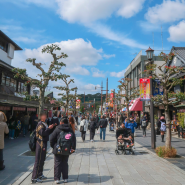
[3,82]
[22,87]
[19,87]
[3,45]
[13,84]
[8,79]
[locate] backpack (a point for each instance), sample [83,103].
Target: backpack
[32,141]
[143,123]
[64,143]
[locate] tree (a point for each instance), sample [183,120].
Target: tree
[66,96]
[53,74]
[167,81]
[127,93]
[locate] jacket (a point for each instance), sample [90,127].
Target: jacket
[93,125]
[55,120]
[3,129]
[131,125]
[144,119]
[85,124]
[103,123]
[97,119]
[56,134]
[42,133]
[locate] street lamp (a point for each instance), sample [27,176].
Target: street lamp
[150,53]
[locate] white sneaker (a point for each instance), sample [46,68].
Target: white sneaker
[65,181]
[57,182]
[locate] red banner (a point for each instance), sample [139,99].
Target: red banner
[111,99]
[144,89]
[20,108]
[31,109]
[5,108]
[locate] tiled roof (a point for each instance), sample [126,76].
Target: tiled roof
[179,51]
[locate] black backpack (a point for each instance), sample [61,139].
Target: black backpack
[64,143]
[32,141]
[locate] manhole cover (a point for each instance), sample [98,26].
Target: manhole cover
[28,154]
[143,152]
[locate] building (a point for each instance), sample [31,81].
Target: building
[135,71]
[11,100]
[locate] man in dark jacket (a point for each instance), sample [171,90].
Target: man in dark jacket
[103,124]
[54,119]
[42,134]
[61,161]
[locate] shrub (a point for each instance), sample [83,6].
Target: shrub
[162,151]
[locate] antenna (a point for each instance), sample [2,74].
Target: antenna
[162,37]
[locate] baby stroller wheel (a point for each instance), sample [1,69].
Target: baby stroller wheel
[116,151]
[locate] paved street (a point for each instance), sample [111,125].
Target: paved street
[96,163]
[177,143]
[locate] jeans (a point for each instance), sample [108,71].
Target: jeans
[110,125]
[11,133]
[25,129]
[1,154]
[102,130]
[144,131]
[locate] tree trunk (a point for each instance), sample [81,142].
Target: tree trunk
[168,129]
[128,110]
[41,103]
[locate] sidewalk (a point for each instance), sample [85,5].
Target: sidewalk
[177,143]
[96,163]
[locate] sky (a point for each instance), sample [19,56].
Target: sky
[101,37]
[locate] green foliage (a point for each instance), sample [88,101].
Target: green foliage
[162,151]
[181,119]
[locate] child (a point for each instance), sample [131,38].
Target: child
[120,139]
[128,141]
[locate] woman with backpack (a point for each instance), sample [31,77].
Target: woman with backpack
[162,126]
[144,124]
[83,128]
[63,142]
[93,127]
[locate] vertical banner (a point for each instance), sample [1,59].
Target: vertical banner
[157,88]
[111,99]
[144,84]
[78,103]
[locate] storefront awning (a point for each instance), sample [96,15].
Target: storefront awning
[137,106]
[181,105]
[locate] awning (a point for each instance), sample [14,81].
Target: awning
[181,105]
[137,106]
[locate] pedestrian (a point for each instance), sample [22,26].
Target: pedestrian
[12,126]
[54,119]
[3,130]
[103,125]
[97,119]
[162,126]
[144,124]
[72,123]
[131,124]
[93,127]
[62,149]
[83,128]
[42,134]
[138,121]
[25,124]
[18,127]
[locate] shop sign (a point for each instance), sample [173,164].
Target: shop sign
[144,84]
[181,110]
[5,108]
[157,88]
[19,108]
[78,103]
[31,109]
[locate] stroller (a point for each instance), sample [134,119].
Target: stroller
[123,145]
[111,127]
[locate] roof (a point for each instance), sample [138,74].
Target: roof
[4,36]
[180,51]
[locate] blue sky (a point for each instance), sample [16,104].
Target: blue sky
[101,37]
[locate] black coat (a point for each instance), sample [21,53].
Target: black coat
[103,123]
[54,120]
[56,134]
[93,125]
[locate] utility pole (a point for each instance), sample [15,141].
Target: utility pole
[75,100]
[84,102]
[94,107]
[114,100]
[106,97]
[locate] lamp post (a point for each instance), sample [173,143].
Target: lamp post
[150,53]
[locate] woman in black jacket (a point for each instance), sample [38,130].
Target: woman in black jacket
[61,161]
[93,127]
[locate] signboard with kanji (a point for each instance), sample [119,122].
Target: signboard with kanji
[157,88]
[144,84]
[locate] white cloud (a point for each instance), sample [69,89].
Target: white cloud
[77,70]
[177,32]
[86,11]
[168,11]
[149,27]
[109,56]
[25,39]
[97,73]
[106,32]
[118,74]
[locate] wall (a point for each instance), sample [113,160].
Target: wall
[11,49]
[159,63]
[4,57]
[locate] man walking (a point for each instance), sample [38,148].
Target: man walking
[63,142]
[103,124]
[42,134]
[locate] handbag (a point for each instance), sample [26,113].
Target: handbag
[81,128]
